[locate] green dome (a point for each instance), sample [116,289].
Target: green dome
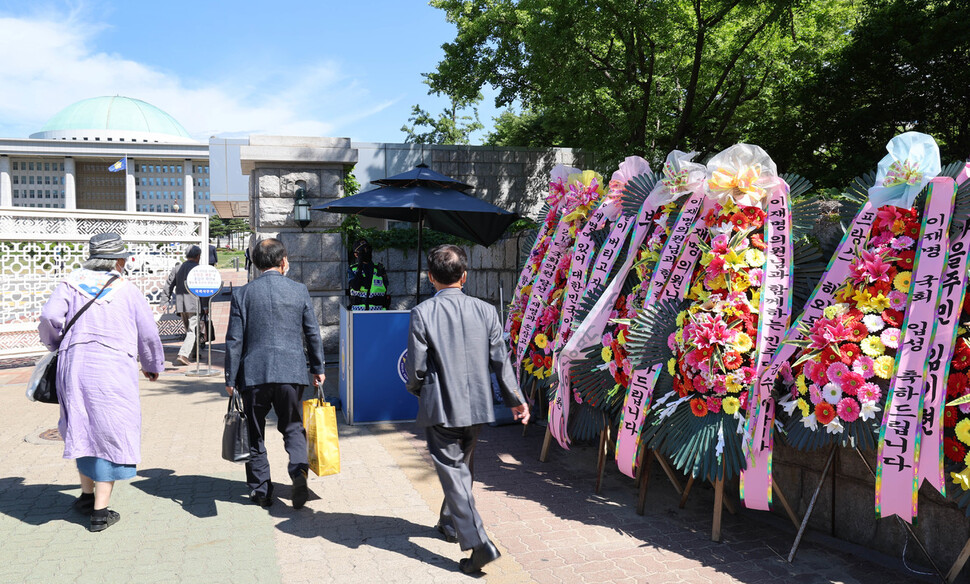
[118,118]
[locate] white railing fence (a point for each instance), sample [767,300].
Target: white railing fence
[39,247]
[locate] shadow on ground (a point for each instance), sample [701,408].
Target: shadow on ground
[39,504]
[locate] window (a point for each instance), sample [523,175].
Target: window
[16,193]
[47,180]
[179,181]
[165,181]
[178,169]
[31,179]
[62,167]
[15,165]
[31,193]
[47,166]
[31,165]
[16,179]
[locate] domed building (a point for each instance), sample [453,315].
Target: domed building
[155,164]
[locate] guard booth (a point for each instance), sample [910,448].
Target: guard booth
[373,349]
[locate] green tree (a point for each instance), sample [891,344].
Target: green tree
[635,76]
[905,69]
[217,227]
[452,126]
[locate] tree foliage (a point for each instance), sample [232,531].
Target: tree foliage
[640,77]
[452,126]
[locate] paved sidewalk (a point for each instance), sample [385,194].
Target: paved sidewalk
[186,517]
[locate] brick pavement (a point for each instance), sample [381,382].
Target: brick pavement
[186,518]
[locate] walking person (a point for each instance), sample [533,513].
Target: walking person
[97,371]
[455,343]
[186,303]
[270,318]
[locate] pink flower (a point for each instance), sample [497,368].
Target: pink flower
[902,242]
[719,386]
[756,276]
[869,392]
[870,267]
[720,244]
[897,300]
[716,267]
[814,393]
[890,337]
[672,341]
[848,409]
[713,404]
[607,339]
[747,375]
[864,366]
[852,382]
[837,371]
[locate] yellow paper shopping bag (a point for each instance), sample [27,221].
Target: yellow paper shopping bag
[320,421]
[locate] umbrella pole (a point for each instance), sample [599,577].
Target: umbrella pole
[417,290]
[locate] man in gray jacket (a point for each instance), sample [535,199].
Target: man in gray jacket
[186,303]
[455,343]
[269,320]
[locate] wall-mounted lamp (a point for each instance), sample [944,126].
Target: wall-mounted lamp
[301,209]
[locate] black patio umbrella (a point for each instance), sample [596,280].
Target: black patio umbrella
[423,176]
[442,209]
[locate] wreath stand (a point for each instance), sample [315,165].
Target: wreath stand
[602,452]
[958,564]
[954,570]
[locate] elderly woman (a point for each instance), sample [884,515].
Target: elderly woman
[97,374]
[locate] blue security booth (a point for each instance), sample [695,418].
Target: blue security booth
[373,346]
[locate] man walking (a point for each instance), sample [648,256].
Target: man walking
[454,344]
[269,320]
[186,303]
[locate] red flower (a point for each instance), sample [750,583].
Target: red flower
[950,416]
[857,332]
[732,360]
[956,384]
[758,241]
[698,405]
[906,259]
[881,287]
[961,357]
[824,412]
[893,317]
[829,356]
[954,450]
[912,229]
[850,352]
[679,387]
[740,220]
[756,217]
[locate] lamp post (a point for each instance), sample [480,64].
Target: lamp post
[301,210]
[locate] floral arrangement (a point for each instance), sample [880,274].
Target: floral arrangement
[582,192]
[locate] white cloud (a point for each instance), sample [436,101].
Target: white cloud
[50,62]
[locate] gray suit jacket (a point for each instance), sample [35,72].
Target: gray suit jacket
[269,318]
[454,344]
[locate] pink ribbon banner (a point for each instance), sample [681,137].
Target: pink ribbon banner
[758,474]
[899,437]
[588,333]
[775,312]
[643,381]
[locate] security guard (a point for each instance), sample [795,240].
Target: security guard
[367,282]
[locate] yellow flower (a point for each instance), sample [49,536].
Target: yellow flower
[733,260]
[541,341]
[872,346]
[962,431]
[730,405]
[861,297]
[621,338]
[729,208]
[879,303]
[740,282]
[846,294]
[962,478]
[679,337]
[902,281]
[706,258]
[732,385]
[717,283]
[884,366]
[742,343]
[966,459]
[803,407]
[756,299]
[606,354]
[898,226]
[528,365]
[754,257]
[681,317]
[835,310]
[672,366]
[800,384]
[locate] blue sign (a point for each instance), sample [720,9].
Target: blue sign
[204,281]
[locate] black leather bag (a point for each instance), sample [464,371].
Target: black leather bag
[235,434]
[46,389]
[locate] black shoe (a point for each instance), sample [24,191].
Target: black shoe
[483,554]
[447,532]
[102,519]
[260,499]
[300,492]
[84,504]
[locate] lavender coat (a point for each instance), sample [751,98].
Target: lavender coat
[97,374]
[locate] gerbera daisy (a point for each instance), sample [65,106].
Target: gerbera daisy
[869,392]
[864,366]
[884,366]
[850,352]
[713,404]
[893,317]
[698,406]
[851,383]
[832,393]
[873,347]
[873,322]
[836,372]
[825,412]
[962,431]
[950,417]
[953,449]
[897,300]
[890,337]
[848,409]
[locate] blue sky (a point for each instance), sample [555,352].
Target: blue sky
[317,68]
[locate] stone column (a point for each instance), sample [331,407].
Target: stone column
[6,192]
[131,202]
[70,190]
[189,187]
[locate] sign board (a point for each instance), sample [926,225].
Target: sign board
[204,281]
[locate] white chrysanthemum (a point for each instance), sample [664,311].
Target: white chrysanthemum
[874,322]
[832,393]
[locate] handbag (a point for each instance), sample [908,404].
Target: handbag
[323,448]
[235,433]
[43,381]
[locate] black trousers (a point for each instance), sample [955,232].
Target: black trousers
[452,450]
[285,399]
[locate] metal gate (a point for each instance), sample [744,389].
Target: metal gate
[39,247]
